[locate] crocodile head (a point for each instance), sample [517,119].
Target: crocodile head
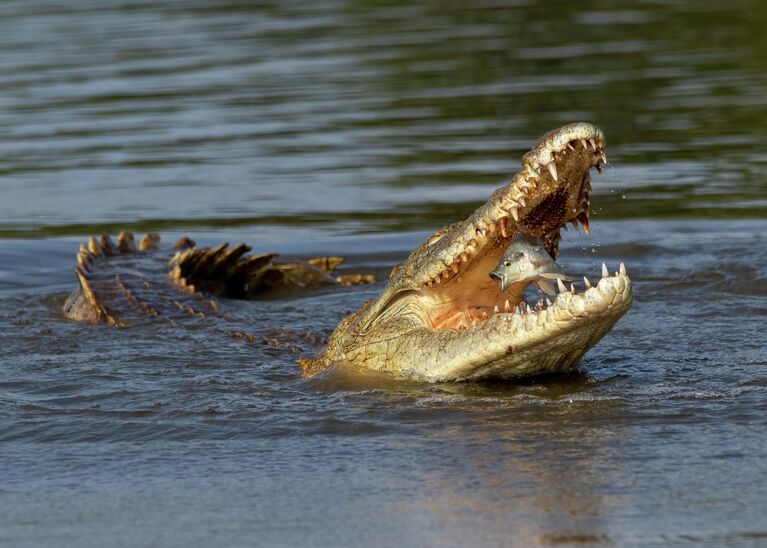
[441,316]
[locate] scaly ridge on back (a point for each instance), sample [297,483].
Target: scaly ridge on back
[120,284]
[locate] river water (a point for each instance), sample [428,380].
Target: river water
[356,128]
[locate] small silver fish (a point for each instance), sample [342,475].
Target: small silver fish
[526,259]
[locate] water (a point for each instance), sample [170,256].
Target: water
[355,129]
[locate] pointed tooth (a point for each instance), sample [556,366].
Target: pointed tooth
[584,219]
[506,306]
[454,267]
[522,201]
[572,289]
[464,257]
[561,286]
[495,310]
[553,170]
[474,323]
[571,147]
[575,225]
[438,280]
[446,274]
[527,309]
[593,144]
[623,269]
[473,243]
[502,226]
[583,142]
[484,314]
[514,212]
[587,282]
[548,302]
[605,273]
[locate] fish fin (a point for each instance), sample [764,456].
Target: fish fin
[555,276]
[546,286]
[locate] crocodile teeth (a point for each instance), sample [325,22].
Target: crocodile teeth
[575,224]
[506,306]
[572,289]
[571,147]
[561,286]
[587,282]
[495,310]
[584,219]
[514,212]
[583,142]
[454,267]
[623,269]
[502,226]
[548,302]
[464,257]
[605,273]
[593,144]
[553,170]
[522,201]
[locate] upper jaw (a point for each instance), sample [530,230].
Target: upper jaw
[550,189]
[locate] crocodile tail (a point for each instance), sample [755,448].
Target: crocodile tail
[222,270]
[85,303]
[228,272]
[122,283]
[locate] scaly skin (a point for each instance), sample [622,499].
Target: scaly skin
[440,317]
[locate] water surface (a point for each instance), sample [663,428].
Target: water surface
[356,128]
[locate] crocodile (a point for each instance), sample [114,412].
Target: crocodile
[440,316]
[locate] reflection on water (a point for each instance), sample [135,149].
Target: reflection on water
[366,117]
[354,128]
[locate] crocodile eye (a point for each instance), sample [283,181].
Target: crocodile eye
[506,263]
